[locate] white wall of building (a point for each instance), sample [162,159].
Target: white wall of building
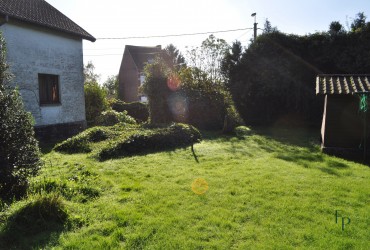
[31,51]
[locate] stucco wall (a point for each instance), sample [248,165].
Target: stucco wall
[31,51]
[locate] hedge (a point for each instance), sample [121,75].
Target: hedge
[175,136]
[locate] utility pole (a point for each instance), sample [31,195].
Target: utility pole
[254,26]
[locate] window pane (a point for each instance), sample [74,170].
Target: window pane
[49,89]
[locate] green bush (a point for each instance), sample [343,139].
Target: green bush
[242,131]
[95,102]
[19,152]
[111,117]
[80,142]
[138,110]
[174,136]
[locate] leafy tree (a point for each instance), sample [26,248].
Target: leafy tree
[208,58]
[111,86]
[268,27]
[336,28]
[19,152]
[275,76]
[89,73]
[173,57]
[158,91]
[359,22]
[95,101]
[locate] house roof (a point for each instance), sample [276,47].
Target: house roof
[41,13]
[141,55]
[342,84]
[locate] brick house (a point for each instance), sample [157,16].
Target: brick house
[44,52]
[131,73]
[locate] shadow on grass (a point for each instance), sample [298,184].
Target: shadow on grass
[297,145]
[35,225]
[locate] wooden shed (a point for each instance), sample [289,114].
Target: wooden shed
[344,129]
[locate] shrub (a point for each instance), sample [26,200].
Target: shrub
[174,136]
[19,152]
[242,131]
[138,110]
[111,117]
[80,142]
[95,101]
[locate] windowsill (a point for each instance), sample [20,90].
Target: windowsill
[51,105]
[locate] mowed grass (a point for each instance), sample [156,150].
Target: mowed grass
[273,189]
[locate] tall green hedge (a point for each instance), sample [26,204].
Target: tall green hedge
[19,152]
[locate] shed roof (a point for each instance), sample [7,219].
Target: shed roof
[342,84]
[142,54]
[41,13]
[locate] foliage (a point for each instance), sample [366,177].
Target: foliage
[274,79]
[174,136]
[209,105]
[95,101]
[19,152]
[138,110]
[195,95]
[158,92]
[111,87]
[173,57]
[112,117]
[359,22]
[89,74]
[208,58]
[268,28]
[80,142]
[242,131]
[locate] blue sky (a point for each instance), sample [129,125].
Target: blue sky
[118,18]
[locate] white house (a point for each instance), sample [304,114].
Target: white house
[44,51]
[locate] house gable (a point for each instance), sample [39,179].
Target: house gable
[41,13]
[131,70]
[47,64]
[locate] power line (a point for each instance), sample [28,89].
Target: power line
[173,35]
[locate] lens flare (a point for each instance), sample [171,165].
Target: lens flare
[199,186]
[179,107]
[173,82]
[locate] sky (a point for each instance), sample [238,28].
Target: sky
[122,19]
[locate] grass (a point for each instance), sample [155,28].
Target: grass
[270,190]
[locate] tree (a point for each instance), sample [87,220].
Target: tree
[335,28]
[95,102]
[19,152]
[359,22]
[208,58]
[158,91]
[173,57]
[111,86]
[268,27]
[89,73]
[274,77]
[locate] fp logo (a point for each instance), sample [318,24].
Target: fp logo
[345,220]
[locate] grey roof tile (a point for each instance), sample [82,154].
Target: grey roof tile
[40,12]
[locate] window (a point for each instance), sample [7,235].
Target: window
[49,89]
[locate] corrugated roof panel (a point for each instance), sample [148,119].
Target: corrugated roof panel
[342,84]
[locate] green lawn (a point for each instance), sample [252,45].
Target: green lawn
[270,190]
